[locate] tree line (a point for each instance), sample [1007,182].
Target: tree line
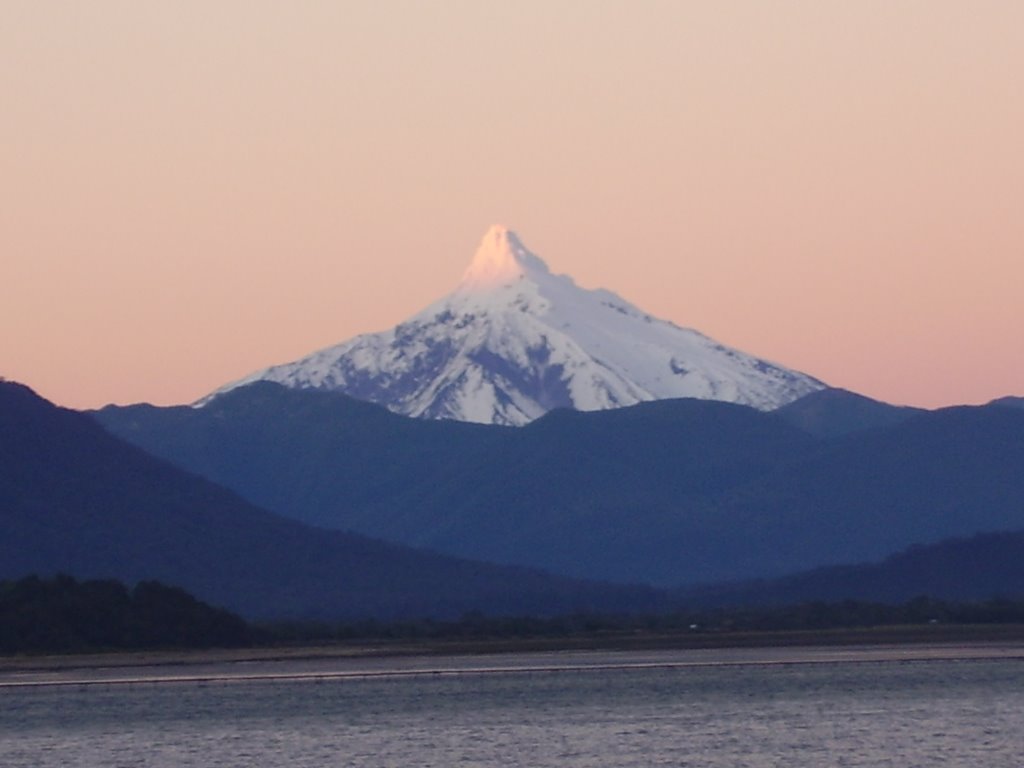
[65,615]
[718,622]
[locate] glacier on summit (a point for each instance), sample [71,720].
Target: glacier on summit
[514,341]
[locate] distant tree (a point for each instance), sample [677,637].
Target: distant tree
[62,614]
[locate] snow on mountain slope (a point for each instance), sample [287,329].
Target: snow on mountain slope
[514,341]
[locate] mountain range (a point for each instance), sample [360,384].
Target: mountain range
[667,493]
[514,341]
[76,500]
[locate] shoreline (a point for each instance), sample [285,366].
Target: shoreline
[391,658]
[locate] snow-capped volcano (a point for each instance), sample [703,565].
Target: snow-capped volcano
[514,341]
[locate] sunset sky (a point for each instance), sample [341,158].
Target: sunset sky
[194,189]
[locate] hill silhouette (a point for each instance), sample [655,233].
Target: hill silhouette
[76,500]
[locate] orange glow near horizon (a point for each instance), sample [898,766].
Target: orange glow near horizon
[193,191]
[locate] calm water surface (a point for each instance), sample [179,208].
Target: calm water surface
[889,713]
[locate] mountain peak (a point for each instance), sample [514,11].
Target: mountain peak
[515,341]
[501,258]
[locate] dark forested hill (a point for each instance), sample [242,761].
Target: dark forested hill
[64,614]
[76,500]
[1009,401]
[981,567]
[837,412]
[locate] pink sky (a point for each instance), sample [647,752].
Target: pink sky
[191,190]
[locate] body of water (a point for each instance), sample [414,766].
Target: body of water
[613,710]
